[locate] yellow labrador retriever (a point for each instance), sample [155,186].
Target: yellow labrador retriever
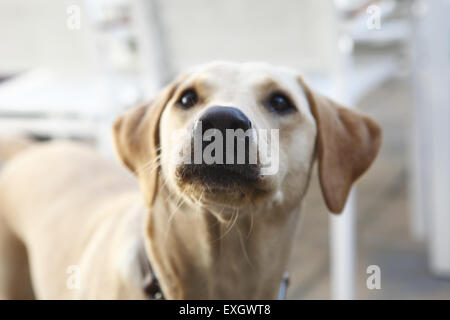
[73,225]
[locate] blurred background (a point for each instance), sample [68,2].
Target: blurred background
[68,68]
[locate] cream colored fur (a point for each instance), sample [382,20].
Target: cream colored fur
[62,206]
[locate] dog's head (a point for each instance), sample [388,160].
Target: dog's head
[228,134]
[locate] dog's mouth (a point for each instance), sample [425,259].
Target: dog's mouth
[231,185]
[221,176]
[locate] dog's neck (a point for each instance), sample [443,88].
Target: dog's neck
[199,255]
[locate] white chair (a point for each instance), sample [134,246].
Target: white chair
[70,83]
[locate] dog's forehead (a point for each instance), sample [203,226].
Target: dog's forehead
[241,73]
[245,77]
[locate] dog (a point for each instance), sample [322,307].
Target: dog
[76,226]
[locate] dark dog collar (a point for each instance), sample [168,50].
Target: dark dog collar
[152,288]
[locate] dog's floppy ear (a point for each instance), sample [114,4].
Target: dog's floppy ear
[347,144]
[131,133]
[136,137]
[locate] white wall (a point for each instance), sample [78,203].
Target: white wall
[285,32]
[34,32]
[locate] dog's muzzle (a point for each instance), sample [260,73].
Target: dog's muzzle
[223,151]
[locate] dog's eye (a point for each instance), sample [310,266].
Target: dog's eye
[279,103]
[188,99]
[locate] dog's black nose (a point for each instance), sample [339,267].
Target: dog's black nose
[222,118]
[231,159]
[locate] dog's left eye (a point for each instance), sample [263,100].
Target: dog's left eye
[188,99]
[279,103]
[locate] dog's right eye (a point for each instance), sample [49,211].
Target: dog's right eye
[188,99]
[280,104]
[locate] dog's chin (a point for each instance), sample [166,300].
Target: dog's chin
[216,186]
